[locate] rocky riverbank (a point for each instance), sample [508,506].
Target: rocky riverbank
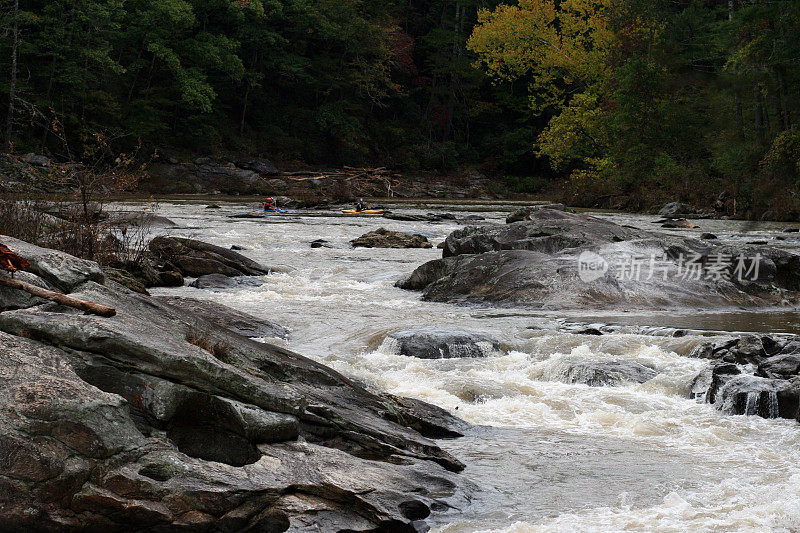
[164,418]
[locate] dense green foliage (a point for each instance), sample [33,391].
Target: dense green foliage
[623,101]
[322,81]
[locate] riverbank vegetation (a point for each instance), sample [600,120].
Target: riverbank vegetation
[609,102]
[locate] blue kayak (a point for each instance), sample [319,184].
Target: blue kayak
[270,211]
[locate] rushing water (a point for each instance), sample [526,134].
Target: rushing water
[544,455]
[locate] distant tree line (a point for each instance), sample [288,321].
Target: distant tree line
[327,82]
[618,101]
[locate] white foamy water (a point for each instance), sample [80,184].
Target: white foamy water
[545,455]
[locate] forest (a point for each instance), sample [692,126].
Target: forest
[608,102]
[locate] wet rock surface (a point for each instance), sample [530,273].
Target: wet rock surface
[434,343]
[195,258]
[221,281]
[162,419]
[383,238]
[222,315]
[597,372]
[542,263]
[752,375]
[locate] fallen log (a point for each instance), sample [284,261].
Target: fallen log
[63,299]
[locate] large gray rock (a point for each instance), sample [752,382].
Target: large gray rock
[37,160]
[547,231]
[16,299]
[261,166]
[195,258]
[543,264]
[124,424]
[60,269]
[437,343]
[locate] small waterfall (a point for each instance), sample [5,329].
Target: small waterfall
[389,346]
[772,402]
[749,395]
[751,404]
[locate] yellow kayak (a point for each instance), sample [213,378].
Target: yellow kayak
[364,212]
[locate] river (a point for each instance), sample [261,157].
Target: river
[544,455]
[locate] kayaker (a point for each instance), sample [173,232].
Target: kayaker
[360,205]
[270,205]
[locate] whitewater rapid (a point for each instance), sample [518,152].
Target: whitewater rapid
[545,455]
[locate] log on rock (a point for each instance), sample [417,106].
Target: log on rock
[63,299]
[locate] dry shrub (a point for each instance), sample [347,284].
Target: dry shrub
[219,349]
[69,227]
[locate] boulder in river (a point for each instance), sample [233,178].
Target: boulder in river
[596,372]
[384,238]
[560,260]
[437,343]
[678,223]
[753,375]
[161,419]
[195,258]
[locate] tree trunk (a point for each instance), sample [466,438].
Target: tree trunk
[12,92]
[244,108]
[759,119]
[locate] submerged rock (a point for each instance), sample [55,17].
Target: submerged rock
[220,281]
[383,238]
[679,223]
[435,343]
[753,395]
[596,372]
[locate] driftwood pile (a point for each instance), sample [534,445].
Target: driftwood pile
[351,175]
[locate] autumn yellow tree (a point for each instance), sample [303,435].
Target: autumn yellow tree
[569,48]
